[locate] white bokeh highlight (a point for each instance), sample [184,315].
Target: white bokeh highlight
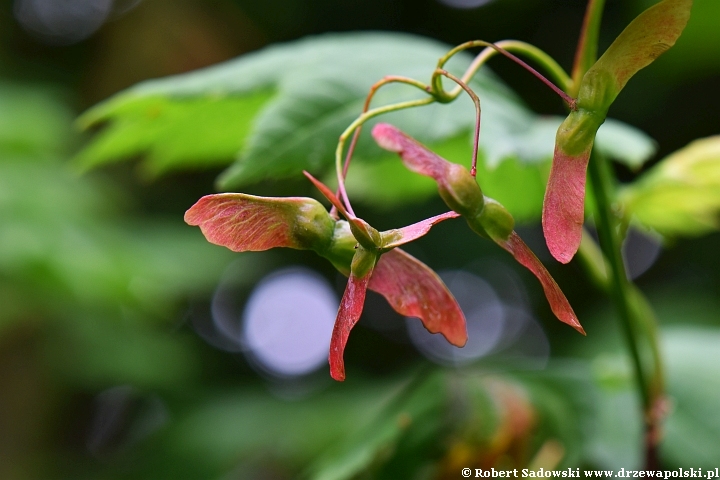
[287,322]
[640,251]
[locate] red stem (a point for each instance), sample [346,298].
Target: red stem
[476,101]
[476,43]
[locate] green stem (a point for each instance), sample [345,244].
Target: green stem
[348,156]
[636,318]
[357,124]
[610,243]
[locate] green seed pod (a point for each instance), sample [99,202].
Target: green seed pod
[460,191]
[313,227]
[342,248]
[494,221]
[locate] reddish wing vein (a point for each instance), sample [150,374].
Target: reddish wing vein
[245,222]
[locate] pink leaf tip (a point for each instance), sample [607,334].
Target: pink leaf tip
[556,298]
[415,156]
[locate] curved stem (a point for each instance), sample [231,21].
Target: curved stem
[376,86]
[502,48]
[358,123]
[440,95]
[553,69]
[476,101]
[342,173]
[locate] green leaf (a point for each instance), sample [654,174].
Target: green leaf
[563,398]
[681,194]
[385,183]
[62,235]
[64,239]
[318,86]
[282,109]
[95,351]
[625,144]
[248,424]
[419,405]
[173,132]
[691,431]
[414,433]
[617,438]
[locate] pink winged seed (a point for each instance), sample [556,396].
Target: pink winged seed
[415,156]
[244,223]
[558,303]
[568,177]
[351,307]
[419,229]
[564,204]
[415,290]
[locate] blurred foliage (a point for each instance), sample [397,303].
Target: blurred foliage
[680,195]
[100,282]
[65,235]
[206,117]
[88,285]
